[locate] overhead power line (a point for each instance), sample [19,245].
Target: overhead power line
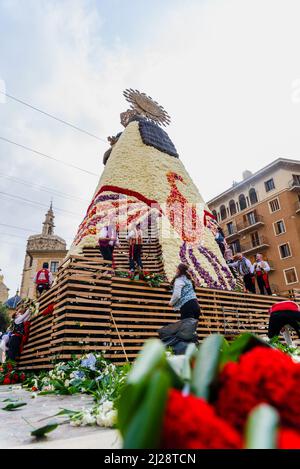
[47,156]
[18,227]
[26,237]
[53,192]
[33,202]
[12,244]
[62,121]
[13,235]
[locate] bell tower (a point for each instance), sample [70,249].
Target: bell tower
[48,225]
[43,247]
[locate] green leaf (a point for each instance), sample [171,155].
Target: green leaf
[42,431]
[242,344]
[151,356]
[129,402]
[261,428]
[10,400]
[207,365]
[14,406]
[144,429]
[61,412]
[187,369]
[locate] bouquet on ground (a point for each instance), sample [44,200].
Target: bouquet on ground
[153,279]
[9,374]
[90,374]
[243,395]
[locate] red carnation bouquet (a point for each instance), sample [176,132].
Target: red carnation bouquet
[240,396]
[10,375]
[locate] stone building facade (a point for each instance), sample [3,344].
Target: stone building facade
[3,289]
[261,214]
[44,247]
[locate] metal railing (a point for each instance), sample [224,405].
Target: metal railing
[231,232]
[294,183]
[261,242]
[251,221]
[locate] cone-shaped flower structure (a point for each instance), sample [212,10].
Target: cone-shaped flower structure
[145,182]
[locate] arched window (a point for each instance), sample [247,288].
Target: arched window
[232,207]
[215,214]
[223,212]
[253,196]
[242,202]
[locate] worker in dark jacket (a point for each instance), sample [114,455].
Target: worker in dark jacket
[284,313]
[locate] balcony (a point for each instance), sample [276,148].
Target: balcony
[294,185]
[251,223]
[231,234]
[257,245]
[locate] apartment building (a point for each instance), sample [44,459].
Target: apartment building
[262,214]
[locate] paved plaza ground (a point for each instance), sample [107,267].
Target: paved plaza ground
[15,432]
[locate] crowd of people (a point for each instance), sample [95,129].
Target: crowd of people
[284,315]
[183,300]
[253,274]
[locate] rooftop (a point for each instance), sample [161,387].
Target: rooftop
[277,163]
[12,302]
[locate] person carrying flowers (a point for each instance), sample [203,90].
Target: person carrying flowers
[246,269]
[19,330]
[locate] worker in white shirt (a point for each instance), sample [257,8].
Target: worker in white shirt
[135,239]
[261,269]
[246,269]
[108,240]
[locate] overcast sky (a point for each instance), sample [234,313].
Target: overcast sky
[227,71]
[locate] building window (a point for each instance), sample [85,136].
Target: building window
[274,205]
[232,207]
[251,218]
[285,251]
[296,179]
[242,202]
[255,239]
[290,275]
[279,227]
[269,185]
[223,212]
[215,214]
[54,266]
[230,228]
[235,246]
[253,196]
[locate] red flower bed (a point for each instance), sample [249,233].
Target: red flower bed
[261,375]
[288,439]
[8,375]
[191,423]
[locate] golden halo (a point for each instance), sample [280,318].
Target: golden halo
[146,106]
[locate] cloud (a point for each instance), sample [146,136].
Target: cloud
[222,69]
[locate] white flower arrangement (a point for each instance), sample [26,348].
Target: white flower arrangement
[103,415]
